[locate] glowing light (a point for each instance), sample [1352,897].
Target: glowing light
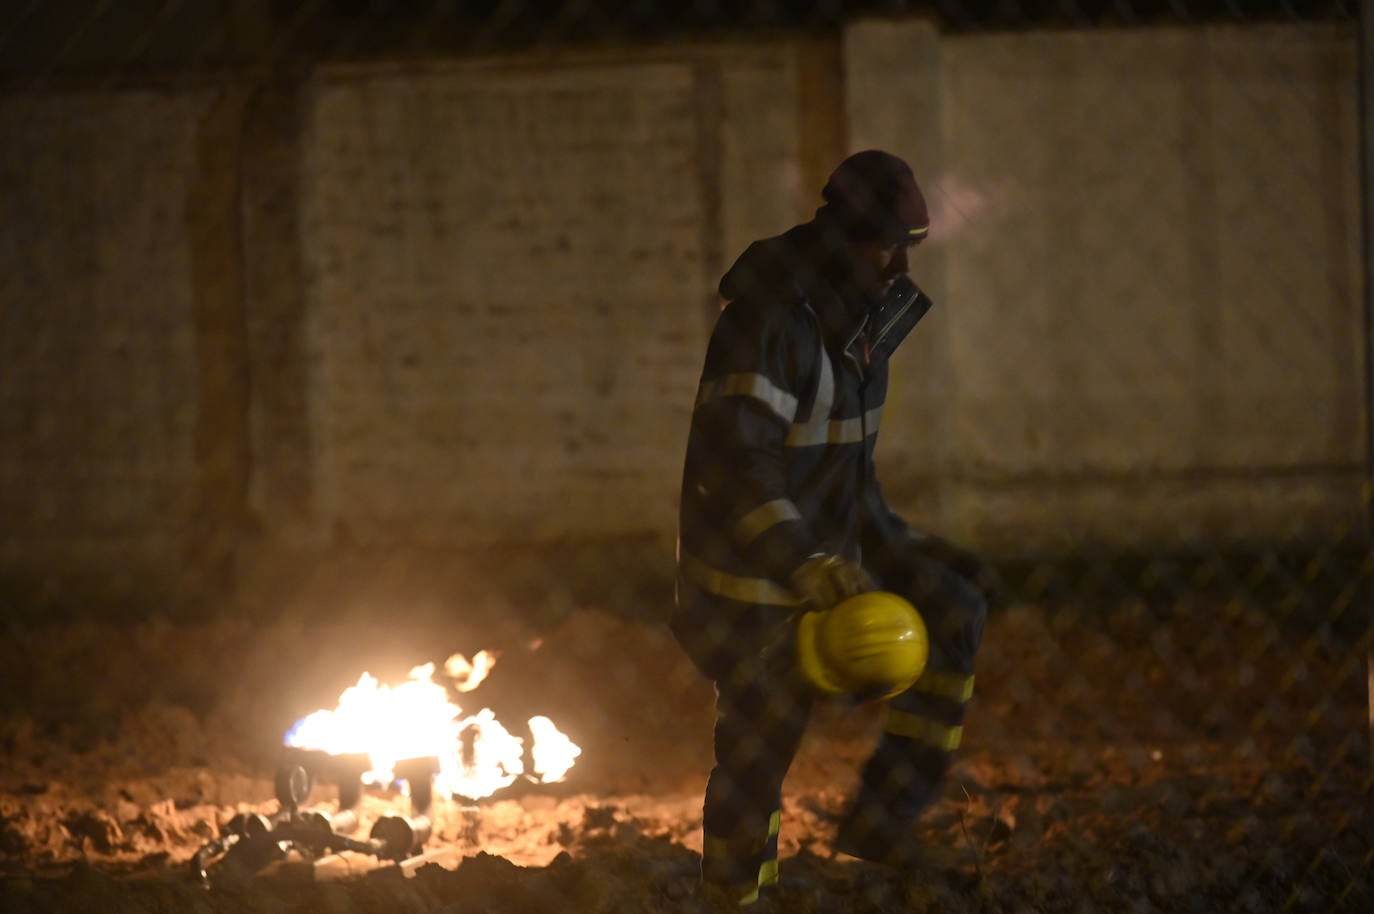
[488,758]
[417,718]
[553,753]
[468,675]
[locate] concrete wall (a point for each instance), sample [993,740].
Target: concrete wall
[504,300]
[510,282]
[1147,248]
[99,317]
[456,304]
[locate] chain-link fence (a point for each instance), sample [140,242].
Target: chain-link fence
[337,336]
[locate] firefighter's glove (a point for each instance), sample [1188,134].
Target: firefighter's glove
[824,580]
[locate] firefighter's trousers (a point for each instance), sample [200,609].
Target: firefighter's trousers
[762,708]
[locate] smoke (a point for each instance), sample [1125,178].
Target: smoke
[960,208]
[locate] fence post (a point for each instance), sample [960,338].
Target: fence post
[1366,95]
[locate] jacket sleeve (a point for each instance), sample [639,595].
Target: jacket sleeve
[884,536]
[891,545]
[751,386]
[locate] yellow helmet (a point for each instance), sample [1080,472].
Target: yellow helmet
[872,645]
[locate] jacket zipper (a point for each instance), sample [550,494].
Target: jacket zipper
[863,438]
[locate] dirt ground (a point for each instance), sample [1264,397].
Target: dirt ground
[1203,758]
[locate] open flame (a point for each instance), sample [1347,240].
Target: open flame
[469,674]
[477,755]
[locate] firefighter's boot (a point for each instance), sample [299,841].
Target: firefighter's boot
[869,832]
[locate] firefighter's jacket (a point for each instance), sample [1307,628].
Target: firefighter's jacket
[779,462]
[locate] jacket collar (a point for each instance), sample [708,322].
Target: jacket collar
[811,260]
[841,322]
[842,317]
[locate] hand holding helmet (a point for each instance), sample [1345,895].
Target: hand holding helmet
[824,580]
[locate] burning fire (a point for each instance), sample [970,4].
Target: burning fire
[477,755]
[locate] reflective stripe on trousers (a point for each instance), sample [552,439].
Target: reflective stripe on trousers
[761,714]
[922,731]
[722,856]
[935,723]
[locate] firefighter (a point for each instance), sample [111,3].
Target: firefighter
[781,513]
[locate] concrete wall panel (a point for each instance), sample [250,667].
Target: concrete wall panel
[504,292]
[98,356]
[1146,289]
[893,100]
